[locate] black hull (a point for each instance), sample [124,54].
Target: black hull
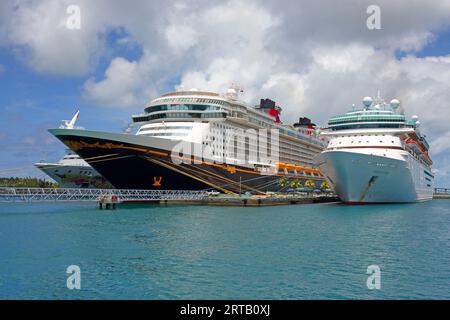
[132,166]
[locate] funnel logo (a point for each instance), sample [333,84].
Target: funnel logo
[157,181]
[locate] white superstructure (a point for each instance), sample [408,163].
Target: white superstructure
[376,155]
[215,120]
[72,172]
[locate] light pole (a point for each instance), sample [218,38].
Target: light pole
[240,185]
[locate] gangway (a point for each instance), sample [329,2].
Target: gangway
[84,194]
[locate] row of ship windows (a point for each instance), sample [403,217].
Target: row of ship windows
[340,142]
[168,107]
[362,135]
[287,132]
[88,173]
[193,100]
[285,147]
[218,149]
[166,128]
[364,120]
[266,124]
[165,134]
[247,148]
[367,126]
[414,155]
[180,115]
[428,174]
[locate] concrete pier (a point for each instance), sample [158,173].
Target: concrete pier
[254,201]
[109,201]
[441,193]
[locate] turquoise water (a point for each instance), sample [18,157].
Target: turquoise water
[198,252]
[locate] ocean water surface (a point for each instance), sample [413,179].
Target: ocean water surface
[317,251]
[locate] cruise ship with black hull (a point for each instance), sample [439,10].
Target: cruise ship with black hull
[197,140]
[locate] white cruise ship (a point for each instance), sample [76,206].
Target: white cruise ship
[376,155]
[73,172]
[241,148]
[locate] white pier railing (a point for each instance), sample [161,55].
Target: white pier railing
[68,194]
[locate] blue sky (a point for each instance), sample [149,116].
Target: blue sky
[126,56]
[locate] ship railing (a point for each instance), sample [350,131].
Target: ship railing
[71,194]
[442,191]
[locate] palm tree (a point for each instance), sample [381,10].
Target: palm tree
[296,184]
[324,185]
[283,182]
[310,184]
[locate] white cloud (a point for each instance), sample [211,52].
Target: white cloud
[441,144]
[125,84]
[181,38]
[117,89]
[38,34]
[346,58]
[38,31]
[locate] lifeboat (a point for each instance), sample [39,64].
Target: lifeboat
[414,144]
[290,167]
[281,165]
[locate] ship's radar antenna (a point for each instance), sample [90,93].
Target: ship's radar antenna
[367,102]
[379,101]
[395,103]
